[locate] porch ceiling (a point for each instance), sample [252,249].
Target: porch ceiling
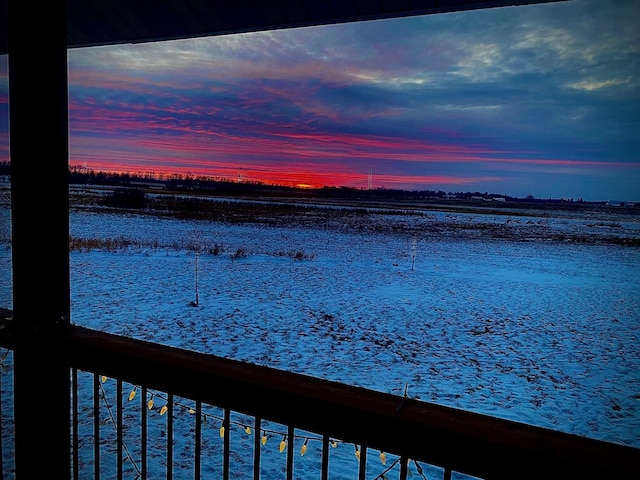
[102,22]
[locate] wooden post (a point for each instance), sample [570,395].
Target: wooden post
[40,235]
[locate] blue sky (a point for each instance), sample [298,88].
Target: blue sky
[540,100]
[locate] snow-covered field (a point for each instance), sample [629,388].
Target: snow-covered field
[541,332]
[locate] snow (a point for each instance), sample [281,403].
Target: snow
[540,332]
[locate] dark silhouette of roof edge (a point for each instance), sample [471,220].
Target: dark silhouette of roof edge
[102,22]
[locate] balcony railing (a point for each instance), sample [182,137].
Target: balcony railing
[113,378]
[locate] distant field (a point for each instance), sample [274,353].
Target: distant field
[568,222]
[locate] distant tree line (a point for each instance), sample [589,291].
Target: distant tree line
[79,175]
[223,186]
[184,182]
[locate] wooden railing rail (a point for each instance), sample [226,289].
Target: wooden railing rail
[478,445]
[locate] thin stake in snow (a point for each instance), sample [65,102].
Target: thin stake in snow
[197,247]
[197,302]
[414,246]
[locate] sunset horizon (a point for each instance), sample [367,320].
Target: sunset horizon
[141,177]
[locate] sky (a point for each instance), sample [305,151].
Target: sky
[540,100]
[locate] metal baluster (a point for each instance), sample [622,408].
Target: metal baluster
[1,438]
[96,426]
[404,468]
[74,420]
[257,428]
[169,436]
[447,473]
[198,441]
[119,427]
[362,471]
[325,457]
[143,435]
[226,448]
[290,435]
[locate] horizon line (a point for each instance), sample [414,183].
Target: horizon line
[161,177]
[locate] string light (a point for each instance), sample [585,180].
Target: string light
[112,419]
[383,475]
[242,425]
[283,443]
[419,470]
[264,437]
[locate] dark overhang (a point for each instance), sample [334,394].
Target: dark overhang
[107,22]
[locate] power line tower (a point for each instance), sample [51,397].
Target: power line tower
[370,179]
